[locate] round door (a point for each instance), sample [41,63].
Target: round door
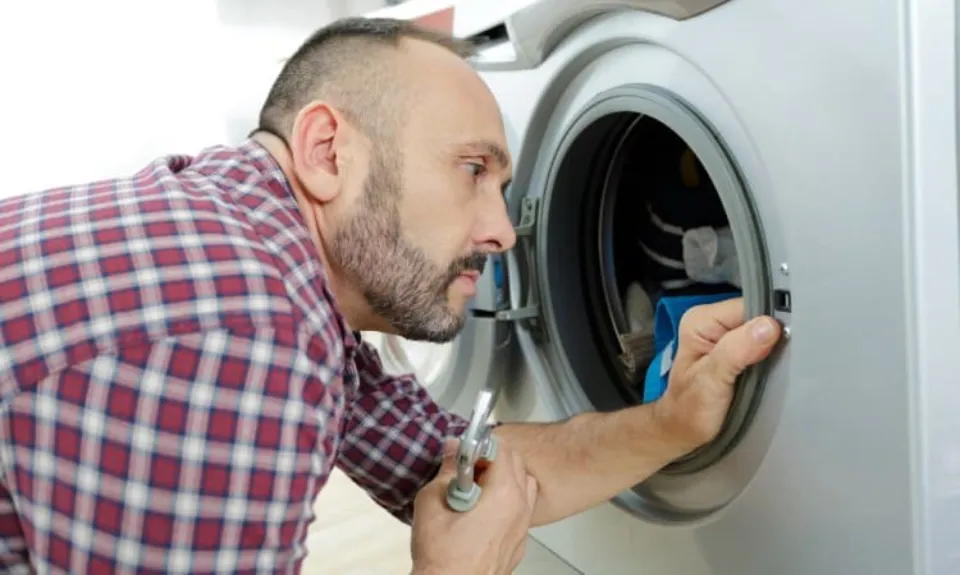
[637,203]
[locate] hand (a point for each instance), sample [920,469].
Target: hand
[491,538]
[715,346]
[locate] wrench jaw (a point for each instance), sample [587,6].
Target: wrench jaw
[488,447]
[462,501]
[463,492]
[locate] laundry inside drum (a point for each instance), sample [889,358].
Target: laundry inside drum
[662,244]
[639,234]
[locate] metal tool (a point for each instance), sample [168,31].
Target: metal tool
[476,443]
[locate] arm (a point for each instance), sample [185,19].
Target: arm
[395,433]
[589,458]
[394,436]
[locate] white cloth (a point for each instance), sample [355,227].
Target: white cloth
[710,256]
[639,309]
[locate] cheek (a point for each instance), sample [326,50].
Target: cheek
[438,223]
[348,206]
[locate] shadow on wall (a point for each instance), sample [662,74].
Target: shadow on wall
[292,14]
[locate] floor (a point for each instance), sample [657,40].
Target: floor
[353,536]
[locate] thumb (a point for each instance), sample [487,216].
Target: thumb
[450,447]
[744,346]
[448,465]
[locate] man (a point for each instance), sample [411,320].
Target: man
[180,365]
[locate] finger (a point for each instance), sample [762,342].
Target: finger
[729,313]
[533,490]
[450,447]
[519,470]
[702,326]
[742,347]
[448,463]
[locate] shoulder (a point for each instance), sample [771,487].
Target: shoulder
[166,251]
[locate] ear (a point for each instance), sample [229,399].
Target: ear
[315,138]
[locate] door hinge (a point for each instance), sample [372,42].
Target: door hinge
[528,314]
[529,217]
[520,314]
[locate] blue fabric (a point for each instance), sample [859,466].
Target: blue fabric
[666,322]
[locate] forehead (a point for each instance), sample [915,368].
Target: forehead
[462,121]
[452,104]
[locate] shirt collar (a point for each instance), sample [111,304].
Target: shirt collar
[276,183]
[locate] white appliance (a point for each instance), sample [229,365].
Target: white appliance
[829,131]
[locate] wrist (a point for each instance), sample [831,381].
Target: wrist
[660,441]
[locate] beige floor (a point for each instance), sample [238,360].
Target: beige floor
[353,536]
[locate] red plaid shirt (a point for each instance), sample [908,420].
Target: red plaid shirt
[176,382]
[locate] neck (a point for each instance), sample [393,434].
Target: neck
[349,301]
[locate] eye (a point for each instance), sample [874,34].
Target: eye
[476,169]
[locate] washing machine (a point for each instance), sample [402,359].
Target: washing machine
[828,133]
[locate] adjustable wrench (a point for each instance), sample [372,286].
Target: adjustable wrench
[476,443]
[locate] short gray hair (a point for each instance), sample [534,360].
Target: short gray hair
[340,63]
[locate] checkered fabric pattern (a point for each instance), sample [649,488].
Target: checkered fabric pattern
[176,382]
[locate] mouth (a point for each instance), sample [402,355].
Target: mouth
[471,275]
[467,281]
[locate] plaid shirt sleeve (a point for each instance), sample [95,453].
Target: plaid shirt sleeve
[195,453]
[394,436]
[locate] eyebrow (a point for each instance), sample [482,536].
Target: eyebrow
[493,150]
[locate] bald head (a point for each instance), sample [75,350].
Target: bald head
[397,156]
[356,65]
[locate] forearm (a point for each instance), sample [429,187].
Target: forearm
[589,458]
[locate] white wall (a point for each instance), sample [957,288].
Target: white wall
[95,89]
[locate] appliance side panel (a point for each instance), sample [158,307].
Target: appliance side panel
[933,218]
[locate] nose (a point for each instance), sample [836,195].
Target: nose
[494,228]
